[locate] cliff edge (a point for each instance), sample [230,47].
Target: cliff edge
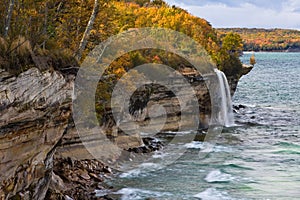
[37,135]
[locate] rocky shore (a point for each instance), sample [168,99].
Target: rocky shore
[42,155]
[74,179]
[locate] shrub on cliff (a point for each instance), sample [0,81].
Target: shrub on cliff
[232,66]
[15,54]
[231,49]
[18,55]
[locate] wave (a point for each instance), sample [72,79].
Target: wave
[288,145]
[216,176]
[142,170]
[293,152]
[238,166]
[139,194]
[207,147]
[213,194]
[194,145]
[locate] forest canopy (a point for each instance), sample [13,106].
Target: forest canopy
[50,31]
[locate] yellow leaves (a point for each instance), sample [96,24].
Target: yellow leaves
[67,20]
[119,71]
[93,32]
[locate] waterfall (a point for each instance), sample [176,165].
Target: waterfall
[225,116]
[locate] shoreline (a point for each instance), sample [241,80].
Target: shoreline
[279,51]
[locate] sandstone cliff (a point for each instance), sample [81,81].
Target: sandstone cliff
[35,109]
[36,127]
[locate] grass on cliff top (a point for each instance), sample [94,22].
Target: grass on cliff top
[17,56]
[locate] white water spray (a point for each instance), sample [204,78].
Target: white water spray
[225,116]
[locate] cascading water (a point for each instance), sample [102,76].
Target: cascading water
[225,116]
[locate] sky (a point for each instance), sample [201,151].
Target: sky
[245,13]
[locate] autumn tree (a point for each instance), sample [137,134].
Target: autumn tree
[158,3]
[252,60]
[233,44]
[231,49]
[75,27]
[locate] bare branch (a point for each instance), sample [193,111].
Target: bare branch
[87,31]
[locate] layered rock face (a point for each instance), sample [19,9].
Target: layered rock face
[37,133]
[35,109]
[36,127]
[233,80]
[158,94]
[178,104]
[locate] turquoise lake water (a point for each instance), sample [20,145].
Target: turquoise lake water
[257,159]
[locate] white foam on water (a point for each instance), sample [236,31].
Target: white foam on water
[194,145]
[101,193]
[131,173]
[207,147]
[160,154]
[178,132]
[139,194]
[213,194]
[141,170]
[216,176]
[220,148]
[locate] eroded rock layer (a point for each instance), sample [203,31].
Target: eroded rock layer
[35,109]
[38,136]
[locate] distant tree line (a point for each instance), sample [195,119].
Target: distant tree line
[267,39]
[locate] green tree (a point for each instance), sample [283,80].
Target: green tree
[158,3]
[232,47]
[233,44]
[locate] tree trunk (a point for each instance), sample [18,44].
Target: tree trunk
[8,17]
[88,29]
[45,26]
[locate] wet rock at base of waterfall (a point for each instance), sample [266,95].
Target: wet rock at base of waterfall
[238,107]
[112,196]
[150,145]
